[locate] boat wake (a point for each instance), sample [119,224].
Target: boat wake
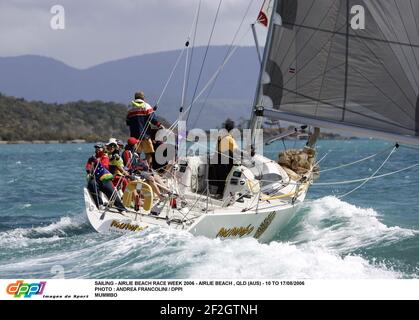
[64,228]
[336,225]
[330,235]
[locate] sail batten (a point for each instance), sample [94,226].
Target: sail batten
[320,67]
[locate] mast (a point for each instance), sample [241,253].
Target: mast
[257,111]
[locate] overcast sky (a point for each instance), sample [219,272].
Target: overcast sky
[103,30]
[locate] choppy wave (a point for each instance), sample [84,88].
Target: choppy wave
[164,254]
[23,237]
[330,231]
[339,226]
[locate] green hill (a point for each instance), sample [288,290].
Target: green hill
[36,120]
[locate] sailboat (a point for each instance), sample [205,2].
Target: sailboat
[332,64]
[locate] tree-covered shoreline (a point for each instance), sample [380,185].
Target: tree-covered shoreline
[37,121]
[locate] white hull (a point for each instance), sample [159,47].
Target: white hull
[262,221]
[264,225]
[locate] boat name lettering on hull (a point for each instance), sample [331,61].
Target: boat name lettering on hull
[265,225]
[127,226]
[236,231]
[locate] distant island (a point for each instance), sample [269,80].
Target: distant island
[39,122]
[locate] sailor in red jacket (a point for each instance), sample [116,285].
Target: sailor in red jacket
[100,179]
[99,155]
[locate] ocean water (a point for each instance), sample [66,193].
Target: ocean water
[371,234]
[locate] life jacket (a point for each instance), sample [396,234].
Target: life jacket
[133,161]
[116,164]
[139,103]
[126,157]
[91,163]
[140,108]
[138,117]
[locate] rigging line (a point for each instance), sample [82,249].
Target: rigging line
[410,147]
[148,122]
[360,180]
[355,162]
[171,75]
[145,129]
[186,74]
[339,107]
[186,47]
[205,57]
[372,176]
[284,144]
[243,153]
[210,81]
[204,103]
[182,103]
[198,198]
[321,160]
[337,183]
[96,182]
[349,181]
[114,193]
[227,53]
[193,49]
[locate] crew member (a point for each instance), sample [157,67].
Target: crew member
[116,166]
[139,118]
[99,178]
[226,151]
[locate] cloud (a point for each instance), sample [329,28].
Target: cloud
[103,30]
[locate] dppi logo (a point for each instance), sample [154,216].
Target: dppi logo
[27,290]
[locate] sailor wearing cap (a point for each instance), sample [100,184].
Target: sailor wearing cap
[99,178]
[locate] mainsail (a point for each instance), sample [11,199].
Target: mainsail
[321,70]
